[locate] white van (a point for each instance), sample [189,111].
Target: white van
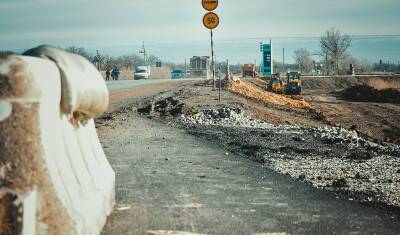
[142,72]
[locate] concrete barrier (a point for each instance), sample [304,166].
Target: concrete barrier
[54,176]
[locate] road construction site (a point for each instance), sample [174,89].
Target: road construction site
[116,130]
[255,162]
[180,157]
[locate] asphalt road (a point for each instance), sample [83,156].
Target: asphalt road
[129,84]
[168,180]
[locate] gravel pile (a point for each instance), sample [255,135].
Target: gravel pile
[228,117]
[330,158]
[223,117]
[233,118]
[350,138]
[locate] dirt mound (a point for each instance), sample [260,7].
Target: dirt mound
[381,84]
[248,90]
[365,93]
[329,83]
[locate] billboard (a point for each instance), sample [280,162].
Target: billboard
[267,60]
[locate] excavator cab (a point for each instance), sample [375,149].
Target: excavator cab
[275,84]
[293,85]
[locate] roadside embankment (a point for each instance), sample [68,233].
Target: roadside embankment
[330,158]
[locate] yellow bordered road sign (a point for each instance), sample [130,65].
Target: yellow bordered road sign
[210,5]
[211,20]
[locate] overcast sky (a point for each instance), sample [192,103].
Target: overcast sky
[115,23]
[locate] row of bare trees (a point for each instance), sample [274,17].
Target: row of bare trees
[334,53]
[104,62]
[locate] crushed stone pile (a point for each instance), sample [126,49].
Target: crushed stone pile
[330,158]
[250,91]
[235,117]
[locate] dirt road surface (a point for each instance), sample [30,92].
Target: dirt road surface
[168,180]
[123,92]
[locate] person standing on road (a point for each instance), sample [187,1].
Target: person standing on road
[108,73]
[115,73]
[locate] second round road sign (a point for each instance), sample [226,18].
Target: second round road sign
[210,5]
[211,20]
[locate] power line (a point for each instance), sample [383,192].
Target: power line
[143,51]
[238,40]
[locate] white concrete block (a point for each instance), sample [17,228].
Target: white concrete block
[64,163]
[84,92]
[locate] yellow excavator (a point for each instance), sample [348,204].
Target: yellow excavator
[293,84]
[275,84]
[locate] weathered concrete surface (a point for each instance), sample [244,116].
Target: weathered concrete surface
[84,93]
[54,176]
[168,180]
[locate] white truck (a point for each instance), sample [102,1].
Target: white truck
[142,72]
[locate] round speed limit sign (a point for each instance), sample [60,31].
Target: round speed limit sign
[209,5]
[211,20]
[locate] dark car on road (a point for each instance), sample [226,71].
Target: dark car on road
[177,74]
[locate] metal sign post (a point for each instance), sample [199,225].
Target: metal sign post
[212,59]
[211,21]
[220,82]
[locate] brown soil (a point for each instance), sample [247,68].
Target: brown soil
[366,93]
[377,121]
[198,96]
[251,91]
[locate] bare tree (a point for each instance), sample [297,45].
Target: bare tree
[334,45]
[4,54]
[303,60]
[152,59]
[80,51]
[364,66]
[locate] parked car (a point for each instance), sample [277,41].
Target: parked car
[142,72]
[177,74]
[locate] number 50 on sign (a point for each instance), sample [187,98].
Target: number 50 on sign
[211,20]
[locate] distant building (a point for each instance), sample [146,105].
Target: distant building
[200,66]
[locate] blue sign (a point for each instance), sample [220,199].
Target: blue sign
[267,60]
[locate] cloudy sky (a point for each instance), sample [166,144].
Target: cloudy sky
[118,26]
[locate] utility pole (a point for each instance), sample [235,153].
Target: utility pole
[220,83]
[283,61]
[186,73]
[255,67]
[143,51]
